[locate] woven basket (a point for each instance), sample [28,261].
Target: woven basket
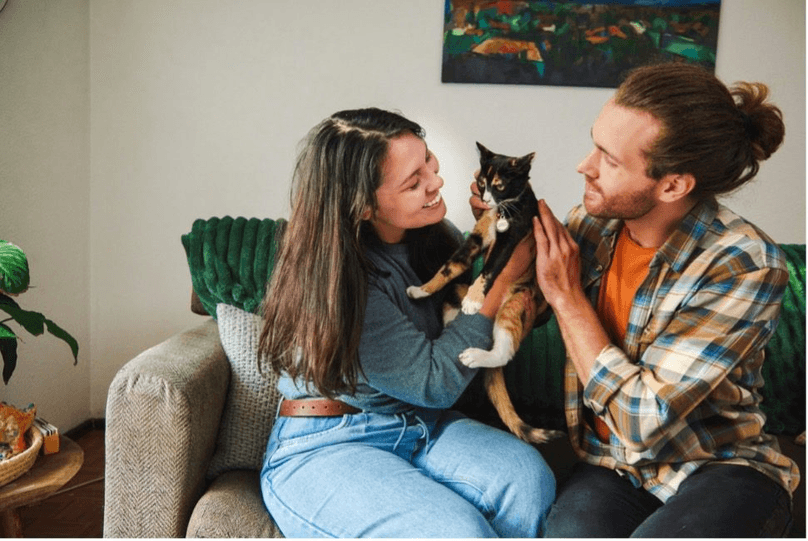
[13,467]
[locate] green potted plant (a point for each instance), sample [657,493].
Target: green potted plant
[14,280]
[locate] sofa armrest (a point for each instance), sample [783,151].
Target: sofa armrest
[162,418]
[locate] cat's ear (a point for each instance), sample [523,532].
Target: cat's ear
[483,151]
[523,163]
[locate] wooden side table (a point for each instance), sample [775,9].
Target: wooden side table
[48,474]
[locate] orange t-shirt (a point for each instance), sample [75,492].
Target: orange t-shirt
[626,273]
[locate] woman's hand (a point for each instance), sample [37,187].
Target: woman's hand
[521,262]
[558,265]
[478,206]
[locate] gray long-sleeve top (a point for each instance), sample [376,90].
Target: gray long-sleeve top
[407,356]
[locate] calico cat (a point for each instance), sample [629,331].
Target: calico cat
[504,186]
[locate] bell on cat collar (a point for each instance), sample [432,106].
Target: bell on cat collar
[502,225]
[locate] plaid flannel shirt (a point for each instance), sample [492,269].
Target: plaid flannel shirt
[682,390]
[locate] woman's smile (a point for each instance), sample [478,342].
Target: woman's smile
[434,201]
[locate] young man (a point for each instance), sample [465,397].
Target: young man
[665,300]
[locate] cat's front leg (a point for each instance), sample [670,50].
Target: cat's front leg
[473,300]
[415,292]
[448,272]
[458,263]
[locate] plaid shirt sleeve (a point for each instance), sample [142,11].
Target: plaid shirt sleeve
[682,389]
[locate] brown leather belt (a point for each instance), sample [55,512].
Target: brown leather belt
[315,407]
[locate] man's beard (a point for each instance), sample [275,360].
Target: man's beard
[626,206]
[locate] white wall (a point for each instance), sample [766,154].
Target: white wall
[196,108]
[45,193]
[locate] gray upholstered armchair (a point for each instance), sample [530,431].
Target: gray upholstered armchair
[164,413]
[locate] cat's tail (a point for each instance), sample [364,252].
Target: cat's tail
[498,394]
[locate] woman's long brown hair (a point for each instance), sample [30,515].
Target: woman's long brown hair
[314,307]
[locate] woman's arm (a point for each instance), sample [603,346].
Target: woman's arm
[418,362]
[403,362]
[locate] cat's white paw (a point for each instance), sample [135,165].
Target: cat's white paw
[471,306]
[415,292]
[480,358]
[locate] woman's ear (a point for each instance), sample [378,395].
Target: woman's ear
[367,214]
[674,187]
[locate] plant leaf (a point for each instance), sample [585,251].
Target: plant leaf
[5,299]
[8,350]
[14,275]
[62,334]
[33,322]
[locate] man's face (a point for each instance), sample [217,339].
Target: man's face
[616,183]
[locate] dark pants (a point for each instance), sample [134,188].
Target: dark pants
[716,501]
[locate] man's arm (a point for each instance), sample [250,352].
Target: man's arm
[699,339]
[558,273]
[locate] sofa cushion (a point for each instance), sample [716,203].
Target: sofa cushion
[232,507]
[784,370]
[252,397]
[230,260]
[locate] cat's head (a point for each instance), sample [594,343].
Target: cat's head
[502,177]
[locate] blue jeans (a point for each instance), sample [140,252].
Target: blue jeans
[423,474]
[718,500]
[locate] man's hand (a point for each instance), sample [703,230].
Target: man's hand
[558,272]
[558,266]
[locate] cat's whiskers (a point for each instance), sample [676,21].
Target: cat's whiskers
[508,208]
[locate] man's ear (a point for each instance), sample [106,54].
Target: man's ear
[674,187]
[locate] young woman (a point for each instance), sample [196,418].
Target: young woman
[365,445]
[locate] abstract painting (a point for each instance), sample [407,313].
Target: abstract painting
[573,43]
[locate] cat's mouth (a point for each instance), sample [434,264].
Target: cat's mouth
[433,202]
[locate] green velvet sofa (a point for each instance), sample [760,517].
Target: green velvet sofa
[196,391]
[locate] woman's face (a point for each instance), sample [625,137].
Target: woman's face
[409,195]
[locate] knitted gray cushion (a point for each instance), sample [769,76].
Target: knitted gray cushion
[252,398]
